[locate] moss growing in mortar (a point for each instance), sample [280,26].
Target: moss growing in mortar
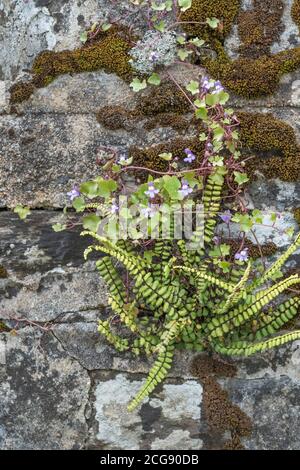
[224,10]
[297,215]
[109,53]
[296,12]
[275,144]
[3,272]
[257,72]
[221,414]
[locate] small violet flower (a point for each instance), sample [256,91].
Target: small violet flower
[218,87]
[148,211]
[114,208]
[206,84]
[242,255]
[74,193]
[226,217]
[185,189]
[152,191]
[190,156]
[153,57]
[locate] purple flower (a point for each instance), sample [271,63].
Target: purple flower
[226,217]
[152,191]
[190,156]
[218,87]
[206,84]
[153,57]
[185,189]
[114,208]
[242,255]
[216,240]
[148,211]
[74,193]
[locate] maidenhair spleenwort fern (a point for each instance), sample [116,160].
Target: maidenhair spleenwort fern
[181,299]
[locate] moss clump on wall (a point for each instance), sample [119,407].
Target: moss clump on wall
[257,72]
[252,78]
[115,117]
[163,105]
[173,120]
[275,144]
[220,413]
[255,251]
[4,328]
[3,272]
[260,26]
[166,98]
[297,215]
[149,157]
[296,12]
[109,53]
[224,10]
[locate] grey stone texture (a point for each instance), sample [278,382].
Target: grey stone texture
[61,385]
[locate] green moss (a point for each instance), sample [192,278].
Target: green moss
[252,78]
[109,53]
[297,215]
[296,12]
[3,272]
[4,328]
[275,144]
[202,9]
[257,72]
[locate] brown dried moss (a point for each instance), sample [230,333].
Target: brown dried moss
[260,26]
[275,144]
[149,157]
[296,12]
[257,72]
[3,272]
[173,120]
[220,413]
[297,215]
[254,250]
[115,117]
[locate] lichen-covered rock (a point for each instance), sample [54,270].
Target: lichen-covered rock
[169,420]
[43,394]
[155,49]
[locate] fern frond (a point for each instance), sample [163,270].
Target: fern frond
[268,324]
[240,315]
[207,277]
[156,375]
[280,262]
[212,203]
[238,291]
[121,344]
[244,348]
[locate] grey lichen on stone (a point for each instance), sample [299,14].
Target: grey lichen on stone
[154,49]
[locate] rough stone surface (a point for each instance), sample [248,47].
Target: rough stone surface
[44,393]
[62,386]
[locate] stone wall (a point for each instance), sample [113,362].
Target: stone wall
[62,386]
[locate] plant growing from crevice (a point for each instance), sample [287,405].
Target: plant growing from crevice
[190,291]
